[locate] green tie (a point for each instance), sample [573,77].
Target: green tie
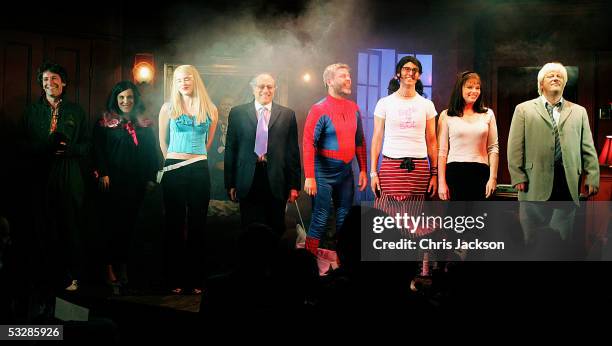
[550,108]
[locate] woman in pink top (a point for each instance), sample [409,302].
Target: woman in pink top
[469,149]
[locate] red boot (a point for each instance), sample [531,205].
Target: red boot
[312,244]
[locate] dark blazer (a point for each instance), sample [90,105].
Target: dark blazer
[283,152]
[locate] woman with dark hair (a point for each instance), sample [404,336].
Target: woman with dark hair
[469,148]
[405,121]
[126,162]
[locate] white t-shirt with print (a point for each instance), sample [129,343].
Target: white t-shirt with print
[405,121]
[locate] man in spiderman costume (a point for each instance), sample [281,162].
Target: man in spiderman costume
[333,136]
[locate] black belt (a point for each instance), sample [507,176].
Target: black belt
[407,162]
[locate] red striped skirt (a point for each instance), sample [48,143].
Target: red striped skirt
[403,192]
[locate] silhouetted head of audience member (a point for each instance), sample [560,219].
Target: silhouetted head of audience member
[357,228]
[348,247]
[257,248]
[5,238]
[298,274]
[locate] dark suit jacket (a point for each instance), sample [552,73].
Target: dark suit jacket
[283,152]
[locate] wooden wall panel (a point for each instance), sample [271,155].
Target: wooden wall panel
[106,59]
[15,81]
[93,67]
[603,127]
[74,55]
[20,55]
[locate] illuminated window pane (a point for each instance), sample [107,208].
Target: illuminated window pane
[427,92]
[426,62]
[362,94]
[374,72]
[362,69]
[372,99]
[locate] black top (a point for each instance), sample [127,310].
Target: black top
[125,150]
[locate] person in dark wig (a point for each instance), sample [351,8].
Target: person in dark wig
[126,162]
[405,122]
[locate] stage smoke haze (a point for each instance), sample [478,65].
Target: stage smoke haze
[317,33]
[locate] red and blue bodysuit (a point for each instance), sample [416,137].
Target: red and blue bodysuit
[333,136]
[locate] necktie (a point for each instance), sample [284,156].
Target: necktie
[54,117]
[550,108]
[261,138]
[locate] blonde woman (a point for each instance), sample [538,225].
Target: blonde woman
[186,129]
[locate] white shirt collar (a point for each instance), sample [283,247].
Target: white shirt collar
[259,105]
[545,101]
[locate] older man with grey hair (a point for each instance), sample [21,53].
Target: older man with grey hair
[549,146]
[262,157]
